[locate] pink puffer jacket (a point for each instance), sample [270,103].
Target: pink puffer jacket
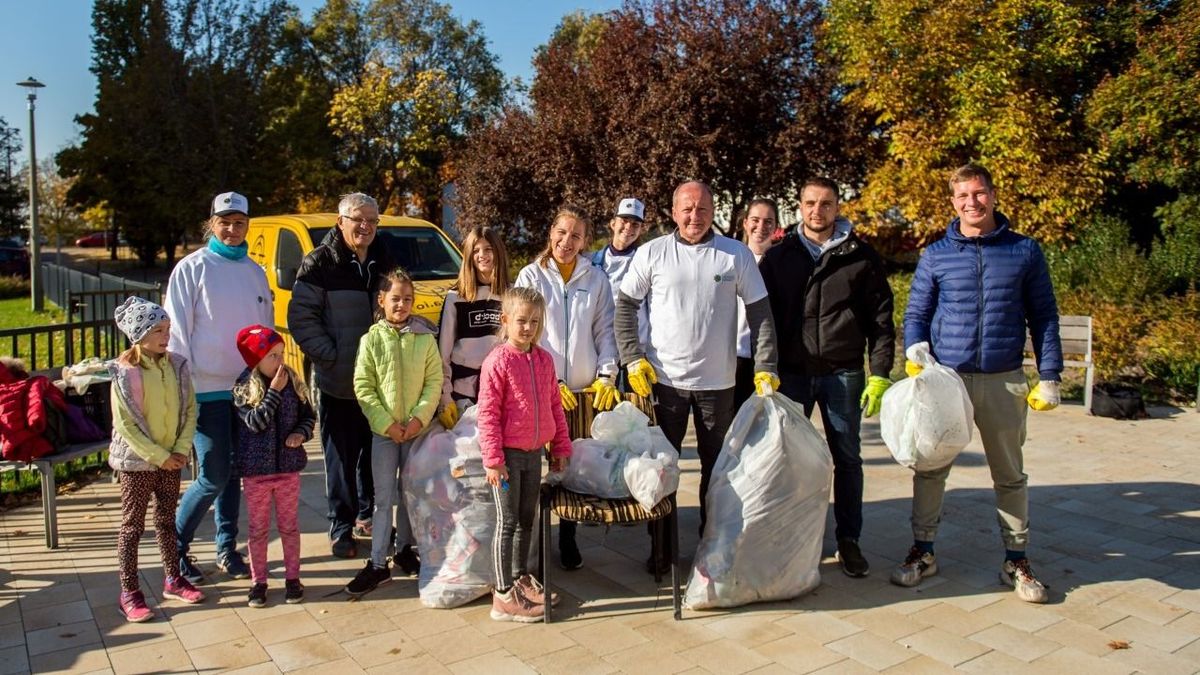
[519,404]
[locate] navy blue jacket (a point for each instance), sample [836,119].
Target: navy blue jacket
[263,429]
[973,297]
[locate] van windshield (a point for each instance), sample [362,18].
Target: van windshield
[421,251]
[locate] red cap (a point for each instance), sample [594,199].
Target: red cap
[255,342]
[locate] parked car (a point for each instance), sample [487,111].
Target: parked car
[102,239]
[14,261]
[279,243]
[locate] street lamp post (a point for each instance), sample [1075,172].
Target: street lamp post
[35,243]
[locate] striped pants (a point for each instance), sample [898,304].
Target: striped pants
[516,509]
[260,491]
[136,489]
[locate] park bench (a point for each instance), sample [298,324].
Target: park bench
[1076,335]
[45,467]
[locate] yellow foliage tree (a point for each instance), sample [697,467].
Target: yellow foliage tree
[951,81]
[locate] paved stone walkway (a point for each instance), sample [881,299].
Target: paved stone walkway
[1116,533]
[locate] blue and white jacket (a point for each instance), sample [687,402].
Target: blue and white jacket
[972,299]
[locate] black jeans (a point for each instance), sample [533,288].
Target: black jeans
[516,509]
[349,485]
[712,413]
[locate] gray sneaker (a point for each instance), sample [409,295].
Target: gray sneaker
[231,563]
[1017,574]
[916,566]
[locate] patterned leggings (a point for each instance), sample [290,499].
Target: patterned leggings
[136,489]
[260,491]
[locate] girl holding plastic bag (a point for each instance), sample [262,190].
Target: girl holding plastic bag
[520,411]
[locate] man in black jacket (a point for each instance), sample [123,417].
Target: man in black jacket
[332,306]
[832,305]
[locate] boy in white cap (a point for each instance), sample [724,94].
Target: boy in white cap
[627,227]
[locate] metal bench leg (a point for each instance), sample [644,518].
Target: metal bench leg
[673,537]
[544,558]
[49,502]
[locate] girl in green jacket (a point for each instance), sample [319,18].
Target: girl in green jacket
[398,382]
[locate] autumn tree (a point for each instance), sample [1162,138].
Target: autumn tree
[410,81]
[1004,83]
[734,92]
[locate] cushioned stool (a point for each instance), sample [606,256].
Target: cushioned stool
[582,508]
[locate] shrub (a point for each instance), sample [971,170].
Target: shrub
[1170,350]
[13,287]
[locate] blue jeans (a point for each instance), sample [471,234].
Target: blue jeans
[387,465]
[838,397]
[214,442]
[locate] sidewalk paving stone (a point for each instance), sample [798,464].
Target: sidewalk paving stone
[1115,508]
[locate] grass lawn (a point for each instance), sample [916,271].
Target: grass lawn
[15,313]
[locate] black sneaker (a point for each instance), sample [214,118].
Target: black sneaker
[231,563]
[853,562]
[367,579]
[293,593]
[407,562]
[189,570]
[344,548]
[258,595]
[568,554]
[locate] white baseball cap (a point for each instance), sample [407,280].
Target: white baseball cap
[631,207]
[230,202]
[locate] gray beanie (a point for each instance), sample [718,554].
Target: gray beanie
[137,316]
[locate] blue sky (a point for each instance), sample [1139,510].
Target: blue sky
[51,41]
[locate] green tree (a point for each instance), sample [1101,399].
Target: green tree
[409,81]
[1004,83]
[12,192]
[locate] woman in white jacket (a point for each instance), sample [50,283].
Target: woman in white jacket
[212,293]
[579,328]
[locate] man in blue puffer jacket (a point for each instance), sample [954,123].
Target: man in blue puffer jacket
[975,292]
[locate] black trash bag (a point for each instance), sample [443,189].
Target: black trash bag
[1118,401]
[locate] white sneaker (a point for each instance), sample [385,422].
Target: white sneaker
[1018,575]
[916,566]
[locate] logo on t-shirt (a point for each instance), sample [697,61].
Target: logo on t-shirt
[483,318]
[722,277]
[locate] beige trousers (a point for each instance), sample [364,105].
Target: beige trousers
[1000,409]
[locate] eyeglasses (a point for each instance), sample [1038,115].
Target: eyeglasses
[374,222]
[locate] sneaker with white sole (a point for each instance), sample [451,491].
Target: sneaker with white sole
[514,606]
[1018,575]
[916,566]
[132,605]
[179,588]
[535,591]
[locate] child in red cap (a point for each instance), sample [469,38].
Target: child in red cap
[275,421]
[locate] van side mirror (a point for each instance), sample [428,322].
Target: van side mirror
[285,277]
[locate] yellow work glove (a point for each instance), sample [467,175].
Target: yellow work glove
[765,383]
[916,354]
[568,397]
[604,394]
[641,376]
[872,395]
[449,415]
[1045,396]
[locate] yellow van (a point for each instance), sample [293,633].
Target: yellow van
[279,243]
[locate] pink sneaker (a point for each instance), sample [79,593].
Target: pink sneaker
[133,606]
[178,588]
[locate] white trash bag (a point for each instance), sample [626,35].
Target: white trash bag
[766,507]
[651,473]
[925,420]
[595,468]
[453,514]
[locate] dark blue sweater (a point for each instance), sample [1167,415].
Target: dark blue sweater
[262,430]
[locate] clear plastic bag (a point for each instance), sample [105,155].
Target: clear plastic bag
[925,420]
[766,507]
[596,468]
[453,514]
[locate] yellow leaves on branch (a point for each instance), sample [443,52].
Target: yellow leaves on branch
[405,115]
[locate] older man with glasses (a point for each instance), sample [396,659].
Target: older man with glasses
[332,307]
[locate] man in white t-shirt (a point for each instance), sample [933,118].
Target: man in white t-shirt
[692,280]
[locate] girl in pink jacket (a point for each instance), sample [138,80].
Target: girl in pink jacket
[520,411]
